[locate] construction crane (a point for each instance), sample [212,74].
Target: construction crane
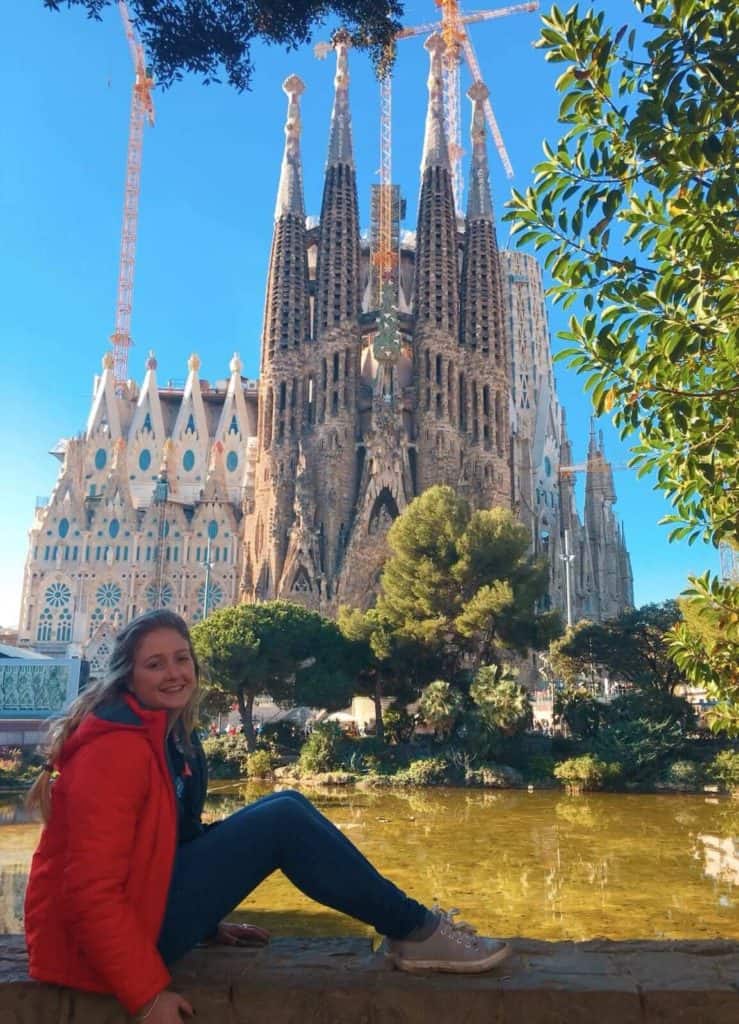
[142,112]
[458,43]
[452,28]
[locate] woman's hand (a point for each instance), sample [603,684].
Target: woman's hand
[229,934]
[165,1008]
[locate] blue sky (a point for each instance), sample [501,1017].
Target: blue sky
[210,174]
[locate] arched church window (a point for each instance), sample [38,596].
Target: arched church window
[57,595]
[101,457]
[95,620]
[144,460]
[233,427]
[113,528]
[63,528]
[301,583]
[45,622]
[190,428]
[146,425]
[188,460]
[64,627]
[232,461]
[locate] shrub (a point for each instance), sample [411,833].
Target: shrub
[540,768]
[683,775]
[258,765]
[282,734]
[494,776]
[225,755]
[322,750]
[725,768]
[586,772]
[440,706]
[425,771]
[399,725]
[11,759]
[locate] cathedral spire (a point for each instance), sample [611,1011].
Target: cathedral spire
[436,272]
[340,138]
[481,301]
[435,148]
[337,268]
[479,202]
[286,313]
[290,191]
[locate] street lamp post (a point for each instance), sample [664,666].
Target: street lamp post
[568,559]
[206,588]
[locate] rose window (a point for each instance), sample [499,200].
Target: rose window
[109,594]
[57,595]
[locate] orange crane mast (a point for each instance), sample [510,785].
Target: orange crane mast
[455,35]
[142,111]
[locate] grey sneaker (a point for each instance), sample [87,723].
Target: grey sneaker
[454,946]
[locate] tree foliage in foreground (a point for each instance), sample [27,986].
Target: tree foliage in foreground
[462,583]
[293,655]
[636,210]
[705,646]
[209,36]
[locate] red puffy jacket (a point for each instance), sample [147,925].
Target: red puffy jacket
[100,876]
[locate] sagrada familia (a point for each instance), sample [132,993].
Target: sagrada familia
[196,495]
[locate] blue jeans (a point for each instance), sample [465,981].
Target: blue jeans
[215,871]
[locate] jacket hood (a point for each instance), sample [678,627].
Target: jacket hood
[122,712]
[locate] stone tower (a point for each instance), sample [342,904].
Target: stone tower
[196,495]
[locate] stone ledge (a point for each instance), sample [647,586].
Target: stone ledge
[341,981]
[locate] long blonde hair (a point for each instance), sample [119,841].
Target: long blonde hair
[117,681]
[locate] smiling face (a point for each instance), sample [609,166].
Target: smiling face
[164,677]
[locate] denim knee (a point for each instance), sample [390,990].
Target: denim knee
[298,797]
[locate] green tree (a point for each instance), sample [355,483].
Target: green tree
[293,655]
[579,710]
[635,209]
[440,707]
[501,700]
[705,646]
[385,663]
[633,648]
[211,35]
[462,583]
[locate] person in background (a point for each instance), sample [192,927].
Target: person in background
[126,879]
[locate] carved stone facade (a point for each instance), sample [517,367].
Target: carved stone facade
[288,489]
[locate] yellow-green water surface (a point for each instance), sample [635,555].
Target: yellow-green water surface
[538,864]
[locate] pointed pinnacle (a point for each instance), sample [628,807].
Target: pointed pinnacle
[435,150]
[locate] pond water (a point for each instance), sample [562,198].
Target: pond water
[539,864]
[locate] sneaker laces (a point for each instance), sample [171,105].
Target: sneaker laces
[447,916]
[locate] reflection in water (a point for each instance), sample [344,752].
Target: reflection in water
[721,857]
[539,864]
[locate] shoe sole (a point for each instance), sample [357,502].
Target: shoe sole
[453,966]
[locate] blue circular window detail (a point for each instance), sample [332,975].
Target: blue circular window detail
[58,594]
[144,460]
[63,528]
[188,460]
[232,461]
[101,457]
[212,529]
[109,594]
[113,528]
[547,466]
